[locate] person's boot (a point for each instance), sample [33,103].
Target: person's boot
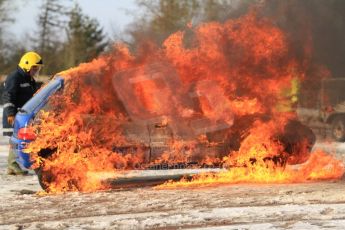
[13,168]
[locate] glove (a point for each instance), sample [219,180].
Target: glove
[10,120]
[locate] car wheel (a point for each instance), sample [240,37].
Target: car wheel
[338,129]
[38,172]
[298,141]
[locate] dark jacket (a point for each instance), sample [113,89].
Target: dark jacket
[19,87]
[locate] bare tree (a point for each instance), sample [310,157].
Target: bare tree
[50,20]
[5,18]
[51,23]
[5,7]
[85,38]
[163,17]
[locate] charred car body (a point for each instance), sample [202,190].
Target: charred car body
[153,137]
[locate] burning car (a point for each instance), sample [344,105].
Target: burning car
[210,105]
[159,142]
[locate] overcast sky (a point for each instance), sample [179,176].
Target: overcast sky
[111,14]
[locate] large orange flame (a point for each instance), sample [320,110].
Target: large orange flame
[216,99]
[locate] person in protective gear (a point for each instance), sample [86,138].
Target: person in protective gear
[289,97]
[19,87]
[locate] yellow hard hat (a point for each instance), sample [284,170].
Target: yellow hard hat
[29,60]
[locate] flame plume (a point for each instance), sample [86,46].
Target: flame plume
[217,101]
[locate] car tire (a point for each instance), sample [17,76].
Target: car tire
[338,129]
[38,172]
[293,139]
